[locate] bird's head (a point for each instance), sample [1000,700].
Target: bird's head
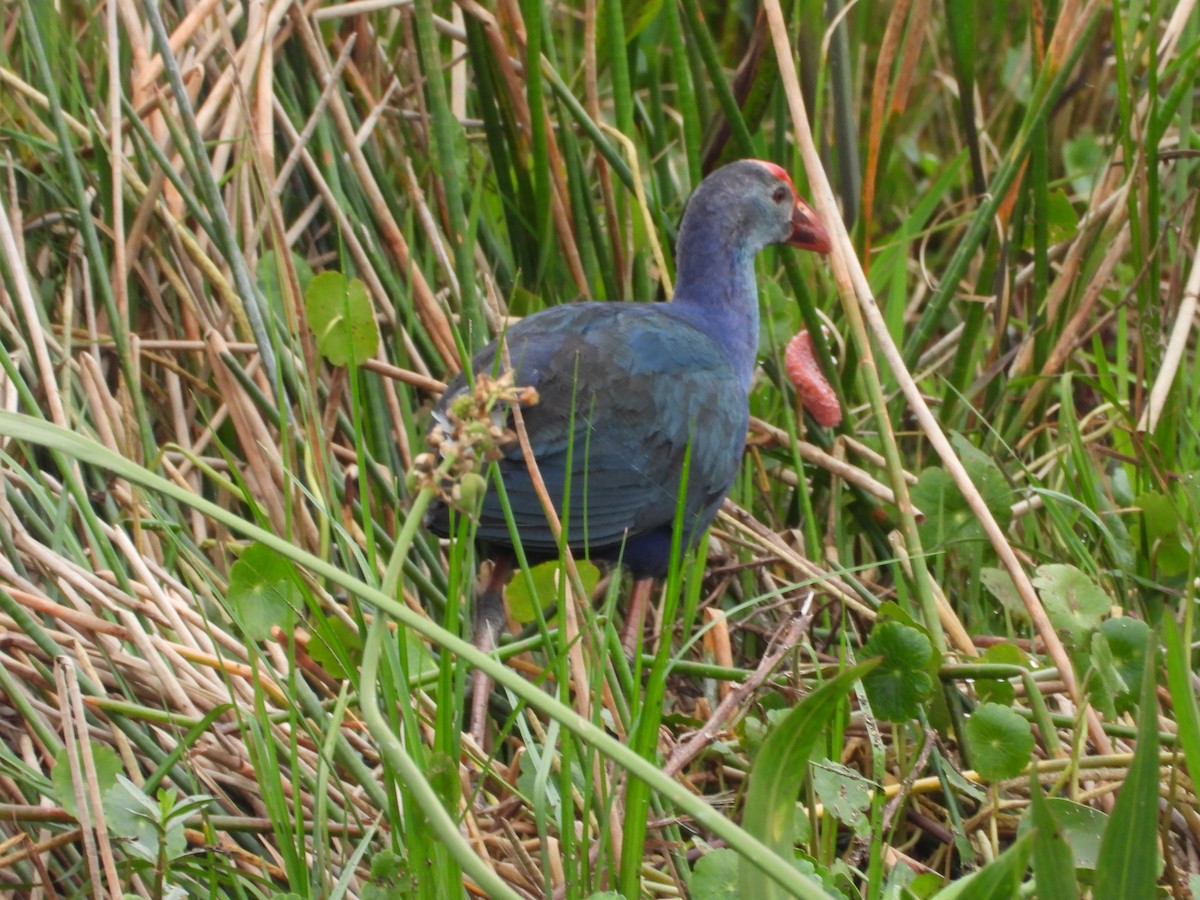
[759,202]
[805,230]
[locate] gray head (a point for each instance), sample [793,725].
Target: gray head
[753,203]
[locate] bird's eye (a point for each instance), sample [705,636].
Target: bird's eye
[780,194]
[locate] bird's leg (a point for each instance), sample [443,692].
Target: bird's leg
[635,617]
[487,623]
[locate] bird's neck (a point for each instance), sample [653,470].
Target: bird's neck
[715,290]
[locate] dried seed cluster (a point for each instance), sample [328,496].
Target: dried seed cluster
[472,429]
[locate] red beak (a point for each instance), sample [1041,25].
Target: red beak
[807,231]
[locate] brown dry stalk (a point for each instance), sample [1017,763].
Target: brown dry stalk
[735,699]
[879,85]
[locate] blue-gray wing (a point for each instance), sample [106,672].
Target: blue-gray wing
[627,395]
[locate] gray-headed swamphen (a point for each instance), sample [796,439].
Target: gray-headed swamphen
[622,390]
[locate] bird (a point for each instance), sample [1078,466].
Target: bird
[615,396]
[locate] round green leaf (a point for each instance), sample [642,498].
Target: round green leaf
[1074,603]
[107,767]
[843,792]
[340,315]
[898,686]
[1082,827]
[999,690]
[1000,585]
[262,592]
[716,876]
[948,518]
[269,272]
[1000,742]
[521,603]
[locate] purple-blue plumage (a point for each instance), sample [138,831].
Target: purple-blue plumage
[626,388]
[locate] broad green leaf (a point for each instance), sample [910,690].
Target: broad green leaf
[1128,865]
[1000,741]
[715,876]
[1074,603]
[777,775]
[421,663]
[781,319]
[904,884]
[1000,585]
[1160,528]
[392,878]
[267,274]
[341,316]
[897,688]
[521,604]
[262,592]
[1016,77]
[349,643]
[827,877]
[987,477]
[1172,557]
[1105,683]
[1063,219]
[948,518]
[999,690]
[134,815]
[753,732]
[1053,863]
[844,793]
[1083,158]
[995,690]
[541,791]
[1082,827]
[1158,518]
[1128,640]
[108,767]
[1005,654]
[891,611]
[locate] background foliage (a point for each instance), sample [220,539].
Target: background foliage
[243,246]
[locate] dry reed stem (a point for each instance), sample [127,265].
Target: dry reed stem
[883,67]
[814,455]
[1184,326]
[734,701]
[89,812]
[771,544]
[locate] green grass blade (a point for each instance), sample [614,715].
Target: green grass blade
[1128,866]
[779,770]
[1053,863]
[998,880]
[1183,697]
